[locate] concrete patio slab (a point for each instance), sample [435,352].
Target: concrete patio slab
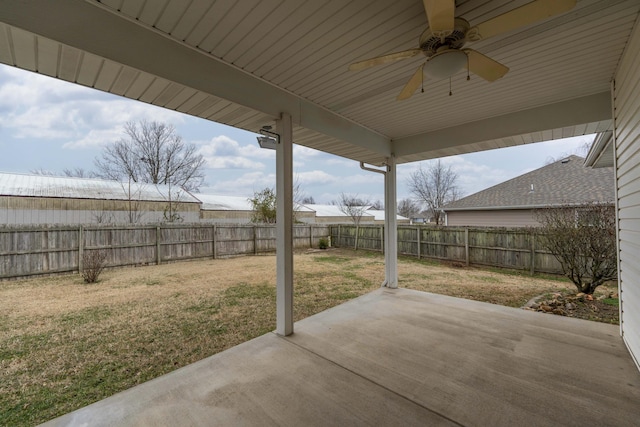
[398,357]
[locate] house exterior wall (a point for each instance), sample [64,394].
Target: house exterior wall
[492,218]
[51,210]
[626,101]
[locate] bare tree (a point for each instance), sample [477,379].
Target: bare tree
[134,196]
[43,172]
[408,208]
[152,152]
[377,205]
[308,200]
[71,173]
[174,202]
[581,151]
[434,186]
[352,206]
[102,217]
[78,173]
[583,239]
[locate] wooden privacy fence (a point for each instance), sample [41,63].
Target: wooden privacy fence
[45,250]
[516,248]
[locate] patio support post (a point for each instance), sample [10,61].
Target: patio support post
[390,226]
[284,226]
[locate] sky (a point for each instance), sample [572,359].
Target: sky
[49,124]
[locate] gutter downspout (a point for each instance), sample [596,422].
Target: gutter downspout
[390,222]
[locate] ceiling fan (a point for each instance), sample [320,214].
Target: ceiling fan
[442,43]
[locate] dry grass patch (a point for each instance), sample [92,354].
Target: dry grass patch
[65,344]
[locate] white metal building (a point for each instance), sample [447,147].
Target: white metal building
[36,199]
[238,210]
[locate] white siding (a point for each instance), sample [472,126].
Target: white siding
[627,145]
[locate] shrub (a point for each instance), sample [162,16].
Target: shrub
[324,243]
[583,240]
[93,264]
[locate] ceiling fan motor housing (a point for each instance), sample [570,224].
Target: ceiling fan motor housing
[431,44]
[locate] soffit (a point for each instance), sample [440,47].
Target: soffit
[292,55]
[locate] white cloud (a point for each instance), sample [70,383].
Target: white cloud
[244,185]
[40,107]
[222,152]
[315,177]
[95,138]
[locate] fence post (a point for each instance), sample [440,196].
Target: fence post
[466,246]
[357,234]
[310,236]
[213,241]
[339,229]
[419,241]
[158,246]
[533,252]
[255,240]
[80,249]
[382,238]
[215,251]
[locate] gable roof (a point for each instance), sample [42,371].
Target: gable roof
[566,181]
[27,185]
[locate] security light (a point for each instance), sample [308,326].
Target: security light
[269,140]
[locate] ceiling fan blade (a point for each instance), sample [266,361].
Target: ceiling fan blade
[384,59]
[484,66]
[414,83]
[519,17]
[440,14]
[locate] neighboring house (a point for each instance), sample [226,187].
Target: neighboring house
[378,217]
[36,199]
[331,214]
[238,210]
[513,203]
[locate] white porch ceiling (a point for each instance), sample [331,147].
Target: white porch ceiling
[242,63]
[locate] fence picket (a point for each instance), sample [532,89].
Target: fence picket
[28,251]
[504,247]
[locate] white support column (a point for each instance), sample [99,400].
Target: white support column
[284,226]
[390,226]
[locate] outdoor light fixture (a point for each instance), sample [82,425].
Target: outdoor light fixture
[269,140]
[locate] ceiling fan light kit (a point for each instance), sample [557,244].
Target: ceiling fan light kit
[445,64]
[442,43]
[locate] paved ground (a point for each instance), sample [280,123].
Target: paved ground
[398,357]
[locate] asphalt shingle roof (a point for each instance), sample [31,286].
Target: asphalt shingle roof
[566,181]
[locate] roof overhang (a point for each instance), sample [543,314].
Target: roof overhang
[244,65]
[601,152]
